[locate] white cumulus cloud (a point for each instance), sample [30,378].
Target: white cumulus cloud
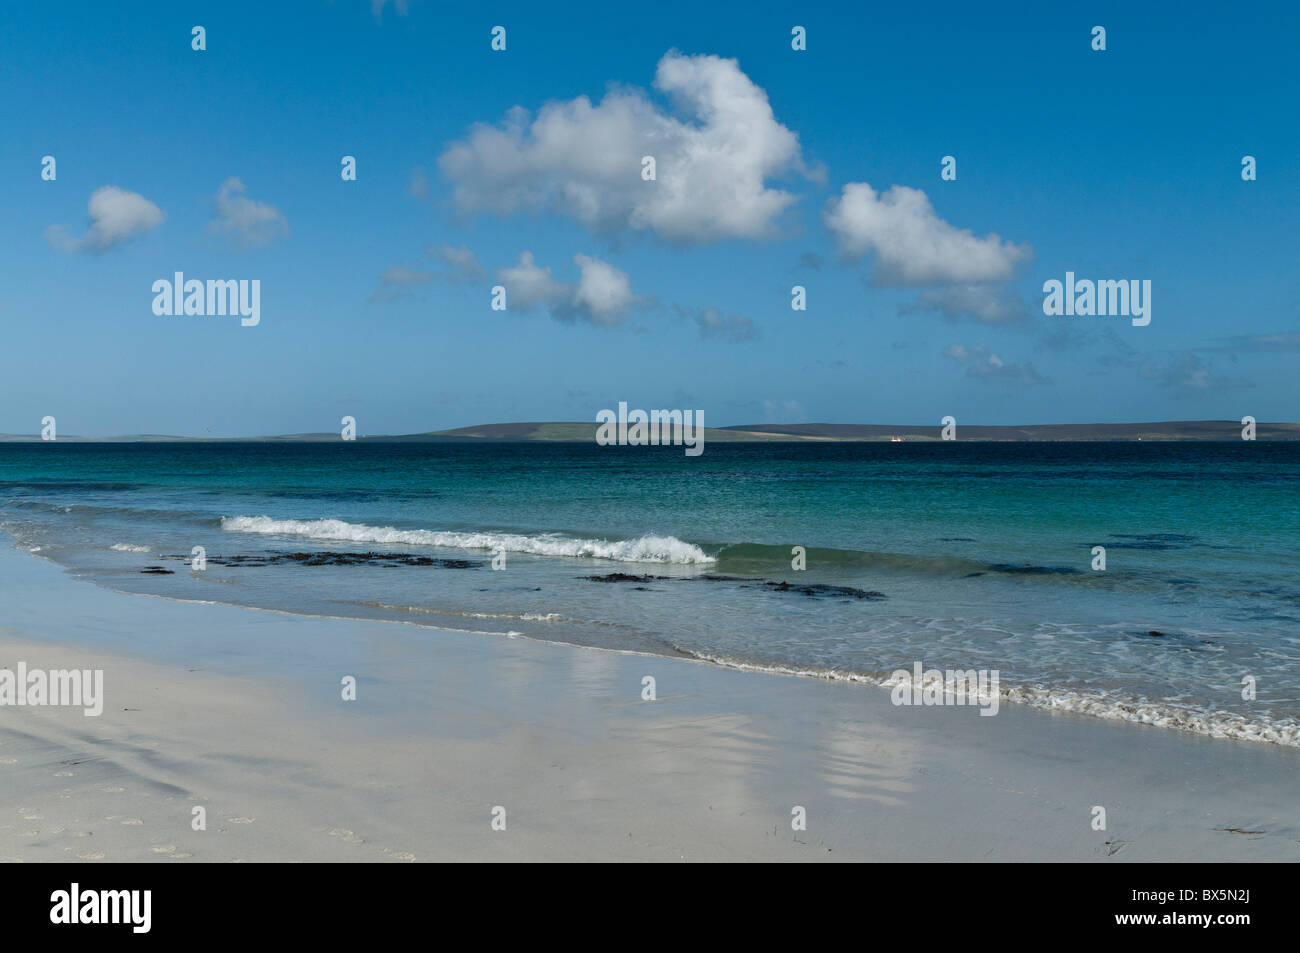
[115,216]
[603,293]
[245,220]
[714,155]
[528,284]
[914,246]
[601,296]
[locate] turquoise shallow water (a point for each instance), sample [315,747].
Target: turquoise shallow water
[958,555]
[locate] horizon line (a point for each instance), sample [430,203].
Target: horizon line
[563,431]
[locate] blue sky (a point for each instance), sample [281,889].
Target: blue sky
[375,294]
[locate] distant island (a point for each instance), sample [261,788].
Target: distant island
[580,432]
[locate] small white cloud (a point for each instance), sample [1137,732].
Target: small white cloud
[713,160]
[1189,372]
[464,263]
[712,323]
[602,295]
[912,245]
[245,220]
[397,282]
[115,216]
[988,304]
[980,362]
[528,285]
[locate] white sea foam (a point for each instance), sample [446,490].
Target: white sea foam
[644,549]
[526,616]
[129,548]
[1216,724]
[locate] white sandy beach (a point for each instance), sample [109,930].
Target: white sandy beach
[240,711]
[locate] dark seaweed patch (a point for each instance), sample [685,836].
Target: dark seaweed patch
[807,589]
[819,589]
[623,577]
[1020,570]
[327,558]
[1149,542]
[1175,638]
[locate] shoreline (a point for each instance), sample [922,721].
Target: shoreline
[238,710]
[1100,704]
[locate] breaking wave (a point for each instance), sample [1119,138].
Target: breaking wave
[644,549]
